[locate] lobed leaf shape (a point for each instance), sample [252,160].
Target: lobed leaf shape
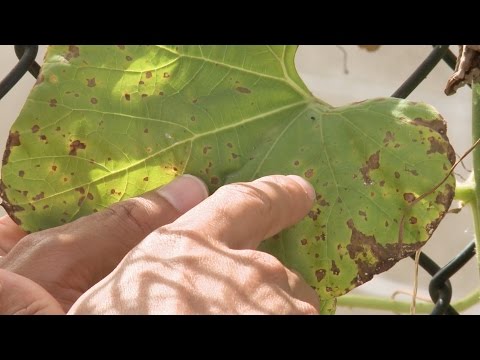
[105,123]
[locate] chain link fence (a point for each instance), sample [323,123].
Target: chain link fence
[440,288]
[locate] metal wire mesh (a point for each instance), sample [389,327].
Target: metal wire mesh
[440,288]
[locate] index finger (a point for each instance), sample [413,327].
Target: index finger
[242,215]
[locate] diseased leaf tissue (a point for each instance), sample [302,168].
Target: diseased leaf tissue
[105,123]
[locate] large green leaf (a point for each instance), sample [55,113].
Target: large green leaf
[105,123]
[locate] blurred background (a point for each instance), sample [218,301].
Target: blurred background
[340,75]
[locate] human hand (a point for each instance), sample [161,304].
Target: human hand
[46,272]
[205,262]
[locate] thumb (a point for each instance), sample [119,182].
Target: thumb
[88,249]
[21,296]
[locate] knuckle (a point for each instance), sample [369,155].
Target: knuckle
[259,200]
[265,265]
[131,213]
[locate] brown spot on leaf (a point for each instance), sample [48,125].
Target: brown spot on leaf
[413,172]
[303,241]
[76,145]
[53,102]
[372,163]
[413,220]
[145,131]
[145,178]
[73,52]
[230,145]
[21,173]
[127,97]
[389,136]
[435,146]
[46,206]
[373,258]
[309,173]
[90,196]
[397,175]
[313,215]
[321,201]
[363,213]
[335,269]
[235,155]
[81,200]
[382,183]
[446,198]
[9,208]
[161,93]
[193,118]
[166,75]
[58,128]
[144,95]
[94,100]
[91,82]
[128,58]
[148,74]
[430,227]
[43,137]
[438,125]
[320,274]
[386,223]
[243,90]
[39,196]
[81,190]
[206,149]
[214,180]
[25,193]
[35,128]
[296,163]
[112,191]
[409,197]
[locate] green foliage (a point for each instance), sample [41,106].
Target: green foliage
[105,123]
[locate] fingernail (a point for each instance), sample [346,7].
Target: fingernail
[184,192]
[305,185]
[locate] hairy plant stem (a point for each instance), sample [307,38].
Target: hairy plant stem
[476,164]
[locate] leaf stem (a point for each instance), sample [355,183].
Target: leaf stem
[403,307]
[465,191]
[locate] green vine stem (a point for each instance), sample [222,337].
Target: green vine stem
[465,191]
[476,163]
[403,307]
